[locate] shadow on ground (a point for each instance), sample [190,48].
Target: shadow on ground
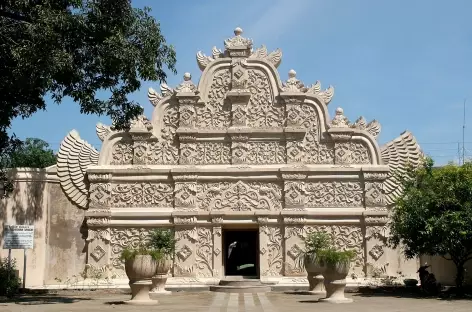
[42,299]
[409,292]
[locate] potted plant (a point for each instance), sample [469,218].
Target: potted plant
[337,265]
[313,243]
[141,265]
[163,241]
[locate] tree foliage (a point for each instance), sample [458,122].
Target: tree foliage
[79,49]
[434,214]
[33,153]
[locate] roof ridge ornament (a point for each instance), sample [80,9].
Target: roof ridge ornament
[187,86]
[238,46]
[339,120]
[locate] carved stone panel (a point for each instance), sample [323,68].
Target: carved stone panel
[162,153]
[199,153]
[351,153]
[215,114]
[187,116]
[333,194]
[262,111]
[185,195]
[204,253]
[374,194]
[301,115]
[185,251]
[271,253]
[317,152]
[139,152]
[122,153]
[239,196]
[142,195]
[121,238]
[294,194]
[261,153]
[99,195]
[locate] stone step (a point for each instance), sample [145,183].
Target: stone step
[244,282]
[240,289]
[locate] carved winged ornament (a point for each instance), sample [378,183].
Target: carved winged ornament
[74,157]
[398,154]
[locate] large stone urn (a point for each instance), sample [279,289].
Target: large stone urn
[315,274]
[159,280]
[140,271]
[335,282]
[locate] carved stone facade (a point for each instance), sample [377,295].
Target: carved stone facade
[240,150]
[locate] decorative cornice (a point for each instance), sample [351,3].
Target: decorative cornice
[99,177]
[185,220]
[294,176]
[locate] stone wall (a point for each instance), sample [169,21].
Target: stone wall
[38,200]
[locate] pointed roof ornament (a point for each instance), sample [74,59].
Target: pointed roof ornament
[339,120]
[186,86]
[238,46]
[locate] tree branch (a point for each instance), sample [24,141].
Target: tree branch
[15,16]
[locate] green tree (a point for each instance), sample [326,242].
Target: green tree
[434,214]
[33,153]
[94,51]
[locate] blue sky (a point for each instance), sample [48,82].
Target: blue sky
[407,64]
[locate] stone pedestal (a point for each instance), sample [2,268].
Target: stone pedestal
[335,284]
[140,293]
[316,285]
[158,285]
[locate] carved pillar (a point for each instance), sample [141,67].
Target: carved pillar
[217,247]
[293,245]
[294,129]
[376,235]
[185,192]
[140,131]
[98,217]
[270,248]
[188,97]
[294,190]
[239,95]
[186,246]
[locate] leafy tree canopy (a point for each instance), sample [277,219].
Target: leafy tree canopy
[76,48]
[33,153]
[434,214]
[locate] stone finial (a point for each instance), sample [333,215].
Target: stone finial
[293,84]
[140,123]
[187,85]
[238,31]
[339,120]
[238,46]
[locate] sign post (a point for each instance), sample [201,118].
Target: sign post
[18,237]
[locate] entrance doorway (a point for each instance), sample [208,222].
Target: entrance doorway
[241,252]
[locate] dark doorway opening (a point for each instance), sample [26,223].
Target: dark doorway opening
[241,252]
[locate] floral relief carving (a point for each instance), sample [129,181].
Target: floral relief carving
[272,251]
[317,152]
[239,196]
[170,120]
[187,116]
[139,152]
[352,153]
[184,253]
[215,114]
[185,195]
[294,193]
[102,234]
[99,195]
[262,112]
[294,263]
[123,238]
[303,115]
[258,153]
[333,194]
[374,194]
[142,195]
[122,153]
[98,253]
[205,153]
[376,252]
[162,153]
[204,250]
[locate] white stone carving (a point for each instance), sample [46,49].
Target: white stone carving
[399,154]
[204,60]
[184,253]
[142,195]
[271,263]
[122,238]
[376,252]
[262,153]
[102,131]
[333,194]
[98,253]
[339,120]
[74,157]
[239,196]
[275,57]
[372,127]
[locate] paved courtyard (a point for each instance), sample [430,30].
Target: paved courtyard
[219,302]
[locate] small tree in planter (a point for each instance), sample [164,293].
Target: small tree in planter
[141,265]
[314,242]
[163,241]
[337,264]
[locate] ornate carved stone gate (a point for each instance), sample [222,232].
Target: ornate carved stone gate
[240,148]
